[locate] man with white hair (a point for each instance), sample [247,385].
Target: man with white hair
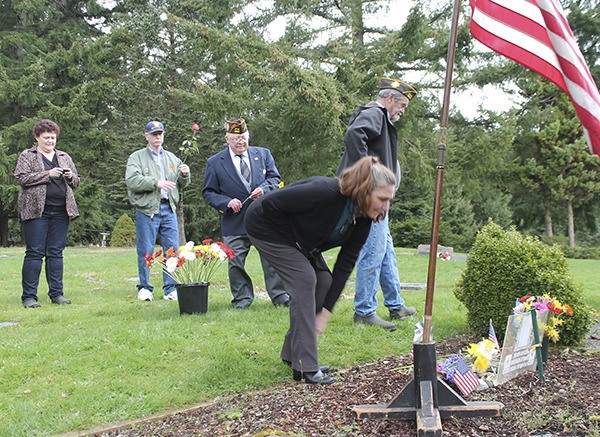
[371,132]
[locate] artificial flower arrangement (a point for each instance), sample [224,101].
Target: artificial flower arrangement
[449,367]
[542,304]
[481,354]
[192,263]
[469,371]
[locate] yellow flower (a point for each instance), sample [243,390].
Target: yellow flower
[483,353]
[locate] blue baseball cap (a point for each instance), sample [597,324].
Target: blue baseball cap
[154,126]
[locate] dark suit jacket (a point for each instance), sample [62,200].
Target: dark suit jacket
[222,183]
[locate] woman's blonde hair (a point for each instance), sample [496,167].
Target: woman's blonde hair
[361,179]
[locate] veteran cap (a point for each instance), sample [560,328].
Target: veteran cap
[236,126]
[404,88]
[154,126]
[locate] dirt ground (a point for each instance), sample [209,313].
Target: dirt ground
[567,403]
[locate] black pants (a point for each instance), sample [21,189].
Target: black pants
[45,239]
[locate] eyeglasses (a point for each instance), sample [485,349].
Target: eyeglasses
[238,139]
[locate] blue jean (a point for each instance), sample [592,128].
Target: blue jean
[376,265]
[45,237]
[147,229]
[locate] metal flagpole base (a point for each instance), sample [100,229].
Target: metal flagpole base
[427,399]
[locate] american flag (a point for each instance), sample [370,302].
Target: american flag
[492,336]
[464,378]
[536,34]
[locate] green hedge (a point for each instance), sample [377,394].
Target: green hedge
[505,265]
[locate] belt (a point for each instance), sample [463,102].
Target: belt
[55,208]
[164,200]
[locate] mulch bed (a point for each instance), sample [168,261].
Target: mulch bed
[566,404]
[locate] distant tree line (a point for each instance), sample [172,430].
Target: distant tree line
[103,71]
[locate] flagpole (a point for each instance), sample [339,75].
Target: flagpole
[439,180]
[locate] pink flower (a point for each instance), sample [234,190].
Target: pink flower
[195,127]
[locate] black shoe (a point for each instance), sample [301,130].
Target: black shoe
[324,369]
[312,377]
[31,303]
[60,300]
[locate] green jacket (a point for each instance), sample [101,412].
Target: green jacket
[143,173]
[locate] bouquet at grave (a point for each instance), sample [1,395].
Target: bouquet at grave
[455,370]
[481,354]
[445,256]
[543,304]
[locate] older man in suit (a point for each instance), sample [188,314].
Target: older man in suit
[235,177]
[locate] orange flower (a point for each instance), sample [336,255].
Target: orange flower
[568,309]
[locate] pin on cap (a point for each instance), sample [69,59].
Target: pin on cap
[404,88]
[236,126]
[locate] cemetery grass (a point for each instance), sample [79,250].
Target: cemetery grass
[109,358]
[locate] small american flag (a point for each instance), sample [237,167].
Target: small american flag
[464,378]
[492,336]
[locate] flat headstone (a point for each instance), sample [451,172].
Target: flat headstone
[413,286]
[6,324]
[423,249]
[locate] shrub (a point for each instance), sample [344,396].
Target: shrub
[123,234]
[505,265]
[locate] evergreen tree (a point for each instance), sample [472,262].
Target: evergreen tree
[53,65]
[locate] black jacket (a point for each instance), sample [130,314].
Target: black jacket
[370,132]
[303,215]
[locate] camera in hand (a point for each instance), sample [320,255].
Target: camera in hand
[65,169]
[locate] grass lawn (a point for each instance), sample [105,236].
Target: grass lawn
[109,357]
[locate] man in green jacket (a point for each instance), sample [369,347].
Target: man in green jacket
[154,177]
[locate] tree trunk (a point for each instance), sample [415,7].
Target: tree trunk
[3,230]
[548,216]
[571,224]
[357,24]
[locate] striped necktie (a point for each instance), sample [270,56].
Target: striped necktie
[244,170]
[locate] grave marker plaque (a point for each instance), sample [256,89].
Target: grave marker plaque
[519,348]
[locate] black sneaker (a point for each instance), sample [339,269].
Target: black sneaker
[31,303]
[61,300]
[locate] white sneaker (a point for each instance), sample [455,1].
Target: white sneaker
[171,296]
[145,294]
